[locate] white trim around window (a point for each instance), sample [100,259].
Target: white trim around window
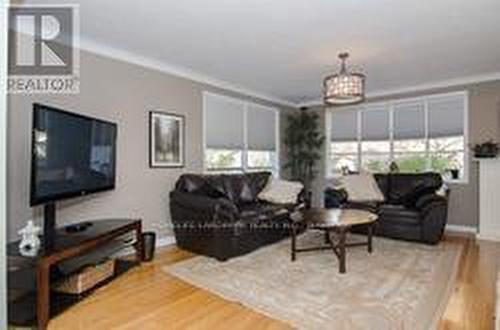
[390,105]
[275,168]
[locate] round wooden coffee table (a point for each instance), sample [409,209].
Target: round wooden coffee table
[333,225]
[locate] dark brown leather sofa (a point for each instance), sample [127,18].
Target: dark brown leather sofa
[411,211]
[221,217]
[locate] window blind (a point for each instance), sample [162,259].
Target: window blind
[261,128]
[446,115]
[375,123]
[409,120]
[224,121]
[344,125]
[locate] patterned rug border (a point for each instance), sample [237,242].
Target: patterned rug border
[277,314]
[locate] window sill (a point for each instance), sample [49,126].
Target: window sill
[457,182]
[447,181]
[241,171]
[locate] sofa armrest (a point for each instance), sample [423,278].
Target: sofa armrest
[304,198]
[427,200]
[200,207]
[434,215]
[335,198]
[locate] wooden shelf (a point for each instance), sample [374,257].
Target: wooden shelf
[22,308]
[30,279]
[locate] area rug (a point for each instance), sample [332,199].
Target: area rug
[400,285]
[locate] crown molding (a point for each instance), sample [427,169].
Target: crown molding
[175,70]
[419,88]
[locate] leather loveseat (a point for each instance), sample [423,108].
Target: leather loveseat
[221,217]
[411,210]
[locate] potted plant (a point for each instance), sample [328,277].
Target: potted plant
[303,141]
[454,173]
[488,149]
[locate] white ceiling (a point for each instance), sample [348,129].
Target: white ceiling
[284,48]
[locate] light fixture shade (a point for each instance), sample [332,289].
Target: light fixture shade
[344,87]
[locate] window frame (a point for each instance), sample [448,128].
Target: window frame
[390,105]
[275,168]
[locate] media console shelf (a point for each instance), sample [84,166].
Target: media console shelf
[40,303]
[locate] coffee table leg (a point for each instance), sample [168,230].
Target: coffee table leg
[370,238]
[292,226]
[341,249]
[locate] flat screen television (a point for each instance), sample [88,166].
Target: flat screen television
[72,155]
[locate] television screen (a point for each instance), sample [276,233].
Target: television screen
[72,155]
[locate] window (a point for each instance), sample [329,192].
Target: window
[261,159]
[224,159]
[374,134]
[344,137]
[422,134]
[239,136]
[409,136]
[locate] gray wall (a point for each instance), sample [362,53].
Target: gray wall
[484,123]
[123,93]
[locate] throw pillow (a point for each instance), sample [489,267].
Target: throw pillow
[361,188]
[236,188]
[281,191]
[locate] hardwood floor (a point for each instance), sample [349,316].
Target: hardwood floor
[472,304]
[148,298]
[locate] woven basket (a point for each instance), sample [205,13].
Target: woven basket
[87,278]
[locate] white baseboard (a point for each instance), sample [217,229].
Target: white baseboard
[488,237]
[461,229]
[165,241]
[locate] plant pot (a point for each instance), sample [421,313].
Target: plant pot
[486,150]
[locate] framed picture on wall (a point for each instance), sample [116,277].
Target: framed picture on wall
[166,139]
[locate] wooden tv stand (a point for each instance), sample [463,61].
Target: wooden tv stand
[42,303]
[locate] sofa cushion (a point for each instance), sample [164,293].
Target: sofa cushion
[258,181]
[244,188]
[215,186]
[200,185]
[264,211]
[398,214]
[413,196]
[236,188]
[383,184]
[405,187]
